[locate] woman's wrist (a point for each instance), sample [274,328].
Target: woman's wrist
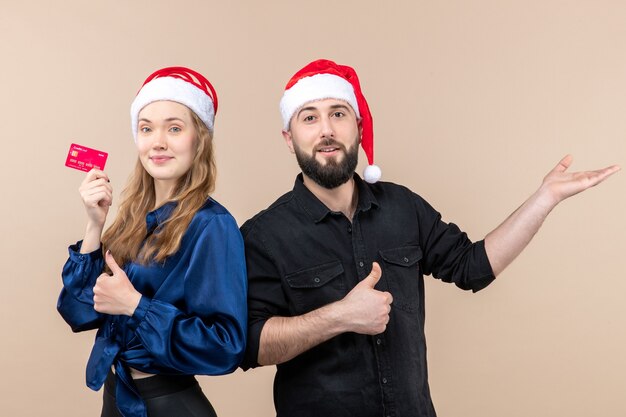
[91,241]
[134,300]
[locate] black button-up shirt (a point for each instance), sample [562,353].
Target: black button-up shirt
[301,256]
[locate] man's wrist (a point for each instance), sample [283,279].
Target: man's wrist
[545,199]
[335,314]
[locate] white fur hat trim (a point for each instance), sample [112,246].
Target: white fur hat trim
[316,87]
[173,89]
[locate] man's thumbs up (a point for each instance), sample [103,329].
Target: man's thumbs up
[372,279]
[366,310]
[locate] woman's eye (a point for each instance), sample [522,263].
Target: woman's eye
[175,129]
[144,129]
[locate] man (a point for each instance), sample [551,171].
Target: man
[335,267]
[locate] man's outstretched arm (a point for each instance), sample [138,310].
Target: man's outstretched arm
[506,241]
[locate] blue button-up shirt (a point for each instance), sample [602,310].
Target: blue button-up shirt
[192,315]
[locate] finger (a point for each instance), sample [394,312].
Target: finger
[98,305]
[93,187]
[389,297]
[100,182]
[101,198]
[95,174]
[372,279]
[107,201]
[100,281]
[100,174]
[92,191]
[563,164]
[115,268]
[594,178]
[97,291]
[95,184]
[604,173]
[97,191]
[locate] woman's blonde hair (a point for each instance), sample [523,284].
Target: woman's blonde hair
[125,237]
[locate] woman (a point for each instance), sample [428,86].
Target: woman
[166,284]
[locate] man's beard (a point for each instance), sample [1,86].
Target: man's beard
[334,173]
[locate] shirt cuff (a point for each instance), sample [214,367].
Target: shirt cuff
[139,314]
[485,275]
[251,357]
[80,258]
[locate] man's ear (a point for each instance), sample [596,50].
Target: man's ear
[360,125]
[288,140]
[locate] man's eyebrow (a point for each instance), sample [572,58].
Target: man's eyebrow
[339,106]
[312,108]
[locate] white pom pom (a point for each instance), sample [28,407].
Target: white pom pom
[372,173]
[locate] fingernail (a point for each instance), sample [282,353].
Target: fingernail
[108,252]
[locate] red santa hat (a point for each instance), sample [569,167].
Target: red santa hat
[324,79]
[179,84]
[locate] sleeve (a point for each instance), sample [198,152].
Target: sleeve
[266,297]
[208,336]
[75,303]
[449,254]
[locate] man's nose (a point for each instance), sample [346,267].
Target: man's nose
[327,130]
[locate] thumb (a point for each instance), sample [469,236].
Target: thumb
[563,164]
[372,279]
[115,268]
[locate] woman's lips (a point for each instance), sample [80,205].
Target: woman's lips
[160,159]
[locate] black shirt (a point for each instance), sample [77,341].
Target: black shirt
[301,256]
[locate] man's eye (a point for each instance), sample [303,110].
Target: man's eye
[309,118]
[338,114]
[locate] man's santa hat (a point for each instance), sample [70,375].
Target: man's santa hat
[179,84]
[324,79]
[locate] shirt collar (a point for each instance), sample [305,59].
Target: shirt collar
[157,217]
[317,210]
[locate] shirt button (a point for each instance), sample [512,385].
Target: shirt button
[316,279]
[361,264]
[406,259]
[378,341]
[349,229]
[384,380]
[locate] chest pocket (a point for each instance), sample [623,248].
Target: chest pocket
[315,287]
[401,273]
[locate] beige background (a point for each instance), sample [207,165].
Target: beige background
[474,101]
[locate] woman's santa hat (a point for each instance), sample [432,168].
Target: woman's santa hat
[179,84]
[324,79]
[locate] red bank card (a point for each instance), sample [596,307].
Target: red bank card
[83,158]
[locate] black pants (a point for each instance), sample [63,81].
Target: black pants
[165,396]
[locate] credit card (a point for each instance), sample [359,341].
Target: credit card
[84,159]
